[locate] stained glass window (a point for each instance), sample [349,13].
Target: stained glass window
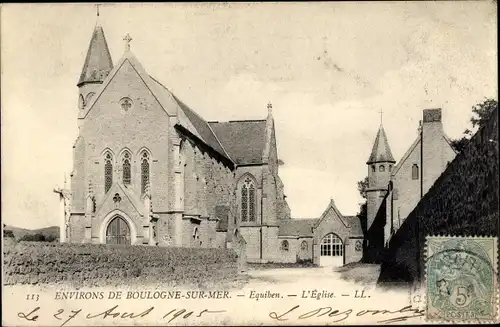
[248,201]
[244,204]
[126,169]
[108,172]
[144,172]
[251,203]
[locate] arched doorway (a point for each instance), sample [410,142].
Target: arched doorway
[118,232]
[331,251]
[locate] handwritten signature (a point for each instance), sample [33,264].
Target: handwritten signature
[392,316]
[113,312]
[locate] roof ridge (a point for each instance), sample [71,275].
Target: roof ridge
[157,81]
[222,145]
[184,105]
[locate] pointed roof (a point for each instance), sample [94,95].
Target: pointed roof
[270,134]
[203,128]
[231,134]
[98,63]
[297,227]
[381,151]
[331,206]
[257,136]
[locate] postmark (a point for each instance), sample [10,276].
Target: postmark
[461,279]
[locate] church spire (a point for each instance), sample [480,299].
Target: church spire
[381,152]
[98,63]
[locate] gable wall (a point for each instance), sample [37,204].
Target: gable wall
[145,125]
[330,224]
[406,192]
[437,153]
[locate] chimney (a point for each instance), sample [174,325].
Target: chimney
[432,115]
[432,150]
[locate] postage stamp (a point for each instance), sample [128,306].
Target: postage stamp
[462,275]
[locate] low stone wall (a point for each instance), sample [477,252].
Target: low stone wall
[99,265]
[463,201]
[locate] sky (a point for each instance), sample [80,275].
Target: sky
[329,70]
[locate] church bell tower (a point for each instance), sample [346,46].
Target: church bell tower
[380,166]
[96,68]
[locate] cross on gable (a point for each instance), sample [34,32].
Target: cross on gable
[127,40]
[269,105]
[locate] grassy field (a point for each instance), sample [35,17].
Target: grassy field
[362,273]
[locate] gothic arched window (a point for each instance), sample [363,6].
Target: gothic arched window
[248,200]
[414,172]
[127,175]
[108,171]
[144,171]
[303,246]
[373,168]
[89,97]
[331,245]
[81,102]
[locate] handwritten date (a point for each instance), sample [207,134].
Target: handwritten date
[114,313]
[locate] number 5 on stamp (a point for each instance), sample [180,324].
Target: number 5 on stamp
[461,278]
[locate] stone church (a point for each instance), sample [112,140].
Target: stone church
[394,190]
[149,170]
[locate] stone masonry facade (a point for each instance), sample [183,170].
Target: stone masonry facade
[148,170]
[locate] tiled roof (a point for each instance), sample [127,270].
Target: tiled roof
[243,140]
[98,63]
[354,225]
[203,128]
[381,151]
[296,227]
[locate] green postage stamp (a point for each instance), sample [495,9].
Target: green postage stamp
[462,279]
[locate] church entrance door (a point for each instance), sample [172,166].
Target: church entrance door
[332,251]
[118,232]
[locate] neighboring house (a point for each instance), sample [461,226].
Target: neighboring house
[331,240]
[394,191]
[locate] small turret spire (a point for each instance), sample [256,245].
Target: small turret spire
[381,152]
[98,63]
